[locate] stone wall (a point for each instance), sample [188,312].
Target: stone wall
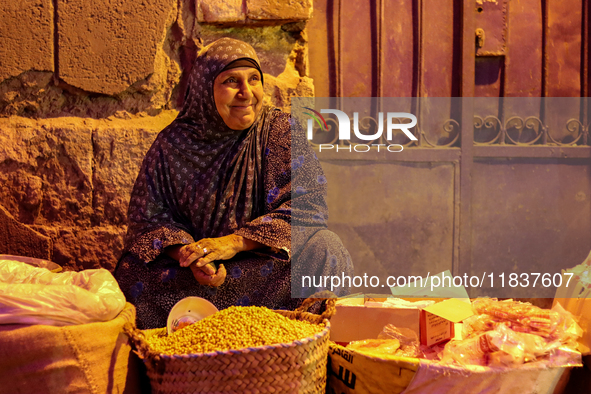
[85,87]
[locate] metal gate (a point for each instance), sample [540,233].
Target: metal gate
[509,192]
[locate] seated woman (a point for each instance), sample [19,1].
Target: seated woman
[216,185]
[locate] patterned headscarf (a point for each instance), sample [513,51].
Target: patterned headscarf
[199,106]
[200,178]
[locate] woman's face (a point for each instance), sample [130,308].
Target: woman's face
[238,95]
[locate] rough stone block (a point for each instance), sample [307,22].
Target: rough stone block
[70,179]
[98,247]
[290,83]
[46,170]
[26,36]
[216,11]
[105,47]
[279,9]
[20,240]
[76,248]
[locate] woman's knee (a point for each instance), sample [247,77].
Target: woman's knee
[326,246]
[325,238]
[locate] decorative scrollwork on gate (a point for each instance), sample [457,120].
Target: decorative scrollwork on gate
[487,130]
[579,133]
[451,128]
[527,131]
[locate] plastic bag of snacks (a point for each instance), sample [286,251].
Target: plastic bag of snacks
[510,333]
[392,341]
[409,341]
[396,341]
[377,347]
[574,295]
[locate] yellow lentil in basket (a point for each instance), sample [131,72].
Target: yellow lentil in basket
[234,328]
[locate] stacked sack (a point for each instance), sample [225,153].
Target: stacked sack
[63,332]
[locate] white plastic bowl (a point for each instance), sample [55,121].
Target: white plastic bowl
[188,311]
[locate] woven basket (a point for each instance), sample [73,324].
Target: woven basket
[296,367]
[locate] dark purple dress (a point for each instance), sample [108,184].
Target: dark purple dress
[201,179]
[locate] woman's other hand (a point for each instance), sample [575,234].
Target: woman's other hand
[208,250]
[203,276]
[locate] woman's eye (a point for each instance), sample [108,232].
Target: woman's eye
[231,80]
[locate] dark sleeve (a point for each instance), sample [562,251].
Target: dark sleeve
[295,190]
[152,222]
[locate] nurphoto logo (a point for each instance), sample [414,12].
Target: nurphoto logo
[393,120]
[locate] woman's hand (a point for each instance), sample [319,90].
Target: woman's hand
[208,250]
[199,256]
[215,279]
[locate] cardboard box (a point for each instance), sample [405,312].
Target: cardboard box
[438,322]
[355,321]
[384,297]
[358,318]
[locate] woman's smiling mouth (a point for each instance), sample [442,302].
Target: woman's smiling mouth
[242,107]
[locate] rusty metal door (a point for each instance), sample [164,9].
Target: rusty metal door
[509,190]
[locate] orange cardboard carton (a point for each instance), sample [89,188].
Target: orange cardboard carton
[438,321]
